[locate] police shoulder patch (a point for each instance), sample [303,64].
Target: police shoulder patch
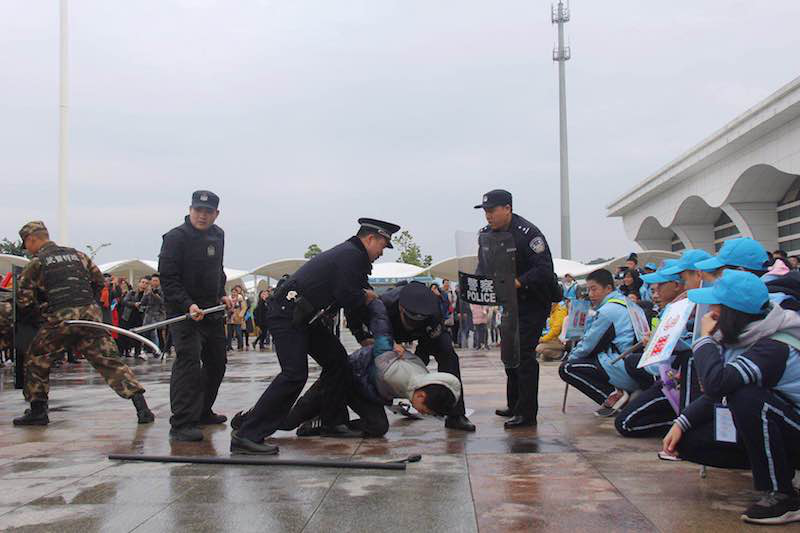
[537,245]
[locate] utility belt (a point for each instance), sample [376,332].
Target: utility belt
[289,299]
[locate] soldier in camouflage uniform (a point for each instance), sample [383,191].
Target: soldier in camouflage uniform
[63,283]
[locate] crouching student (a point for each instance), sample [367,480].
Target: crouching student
[748,355]
[379,372]
[651,413]
[590,367]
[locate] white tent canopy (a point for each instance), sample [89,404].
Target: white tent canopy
[7,261]
[276,269]
[395,271]
[448,268]
[133,269]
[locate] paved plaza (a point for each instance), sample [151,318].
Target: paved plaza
[571,473]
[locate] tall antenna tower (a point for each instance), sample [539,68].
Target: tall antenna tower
[559,15]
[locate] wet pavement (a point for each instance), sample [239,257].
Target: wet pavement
[571,473]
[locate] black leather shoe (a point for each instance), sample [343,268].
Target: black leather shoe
[211,418]
[519,422]
[340,431]
[459,422]
[504,412]
[241,445]
[186,434]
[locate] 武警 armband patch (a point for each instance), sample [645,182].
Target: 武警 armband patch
[537,245]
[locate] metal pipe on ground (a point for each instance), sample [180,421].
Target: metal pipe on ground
[399,464]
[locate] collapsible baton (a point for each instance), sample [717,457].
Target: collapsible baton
[399,464]
[179,318]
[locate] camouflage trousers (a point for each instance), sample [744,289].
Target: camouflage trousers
[97,346]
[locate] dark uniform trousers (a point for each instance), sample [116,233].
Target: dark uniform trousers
[293,345]
[770,429]
[198,368]
[373,420]
[522,385]
[588,376]
[698,445]
[649,414]
[441,348]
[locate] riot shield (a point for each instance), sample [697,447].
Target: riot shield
[488,278]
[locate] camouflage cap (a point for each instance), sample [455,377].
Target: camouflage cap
[29,228]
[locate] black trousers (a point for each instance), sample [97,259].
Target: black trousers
[770,429]
[699,446]
[649,414]
[522,383]
[441,348]
[373,419]
[587,376]
[642,377]
[293,345]
[198,368]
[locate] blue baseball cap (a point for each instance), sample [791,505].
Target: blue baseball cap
[743,252]
[651,266]
[660,276]
[736,289]
[688,261]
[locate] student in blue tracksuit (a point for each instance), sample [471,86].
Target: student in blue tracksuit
[609,332]
[747,354]
[644,292]
[651,413]
[738,254]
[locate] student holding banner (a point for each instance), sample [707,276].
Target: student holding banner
[748,355]
[590,367]
[651,413]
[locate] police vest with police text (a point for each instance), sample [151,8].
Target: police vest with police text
[66,280]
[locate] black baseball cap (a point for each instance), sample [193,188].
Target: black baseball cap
[384,229]
[494,198]
[205,199]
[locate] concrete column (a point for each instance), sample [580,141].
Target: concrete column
[758,220]
[696,236]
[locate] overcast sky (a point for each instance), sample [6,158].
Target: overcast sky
[304,115]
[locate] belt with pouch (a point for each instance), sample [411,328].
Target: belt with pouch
[304,312]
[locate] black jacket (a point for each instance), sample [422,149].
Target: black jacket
[358,320]
[190,265]
[335,278]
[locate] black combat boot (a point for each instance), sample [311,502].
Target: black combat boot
[35,416]
[143,413]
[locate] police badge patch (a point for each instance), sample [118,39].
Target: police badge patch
[211,251]
[537,245]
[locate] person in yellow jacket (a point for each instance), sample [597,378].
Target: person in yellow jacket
[550,347]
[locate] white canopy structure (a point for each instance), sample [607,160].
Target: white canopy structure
[395,271]
[7,261]
[448,268]
[133,269]
[276,269]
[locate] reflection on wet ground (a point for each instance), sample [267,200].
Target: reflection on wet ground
[570,473]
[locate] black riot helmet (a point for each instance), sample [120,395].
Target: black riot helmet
[419,310]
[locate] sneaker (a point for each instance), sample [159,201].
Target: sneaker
[774,508]
[211,418]
[310,428]
[605,412]
[617,400]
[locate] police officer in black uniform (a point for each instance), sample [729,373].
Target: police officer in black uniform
[537,286]
[192,279]
[334,279]
[415,315]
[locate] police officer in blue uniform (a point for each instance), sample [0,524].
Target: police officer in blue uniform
[192,279]
[336,278]
[537,286]
[415,315]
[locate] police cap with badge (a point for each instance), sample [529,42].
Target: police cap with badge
[379,227]
[419,309]
[206,199]
[494,198]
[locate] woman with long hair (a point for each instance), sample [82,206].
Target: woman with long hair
[748,364]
